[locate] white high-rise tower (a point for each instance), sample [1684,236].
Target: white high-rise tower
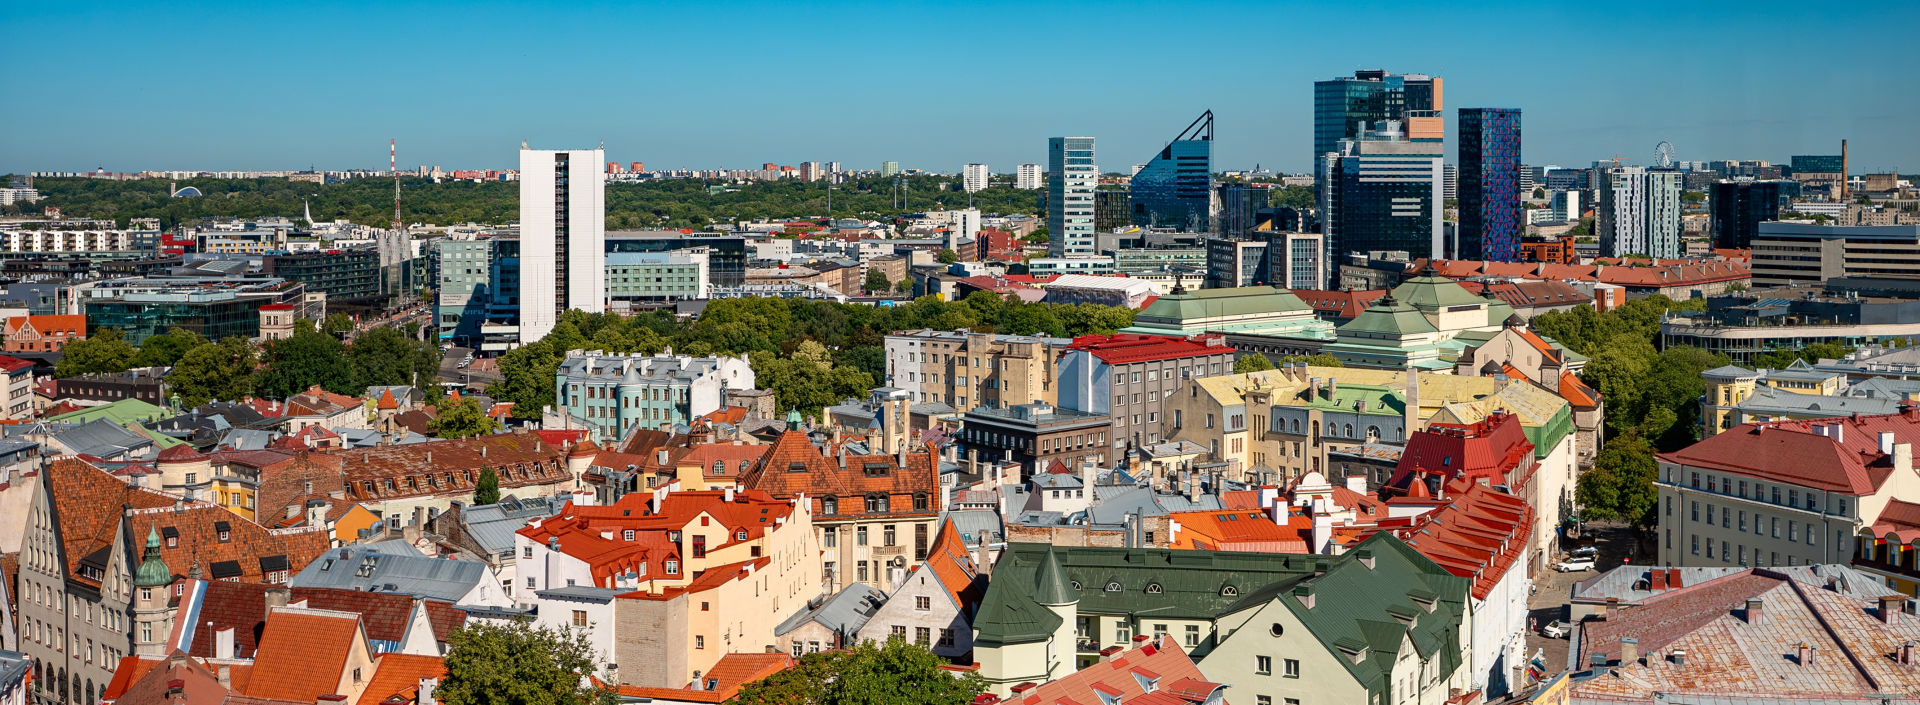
[563,222]
[974,177]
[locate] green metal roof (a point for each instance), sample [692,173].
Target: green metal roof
[152,572]
[1389,316]
[1375,400]
[1235,301]
[1430,291]
[121,412]
[1355,604]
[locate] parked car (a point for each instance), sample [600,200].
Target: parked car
[1574,565]
[1555,629]
[1584,552]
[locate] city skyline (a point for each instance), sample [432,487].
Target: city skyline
[443,83]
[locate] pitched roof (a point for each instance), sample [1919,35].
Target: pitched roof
[1480,535]
[302,653]
[1124,348]
[596,534]
[1154,672]
[242,607]
[87,502]
[1833,454]
[1240,530]
[420,469]
[794,466]
[950,562]
[49,325]
[1340,304]
[400,674]
[721,682]
[365,567]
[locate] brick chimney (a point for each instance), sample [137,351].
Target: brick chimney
[277,597]
[1906,653]
[1805,654]
[1629,650]
[1890,608]
[1755,610]
[1022,688]
[1106,654]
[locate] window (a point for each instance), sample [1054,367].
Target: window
[860,537]
[699,547]
[923,603]
[579,618]
[923,636]
[831,539]
[899,631]
[946,637]
[1193,635]
[1263,665]
[1262,700]
[1695,511]
[1115,587]
[887,536]
[1293,668]
[626,535]
[699,641]
[673,568]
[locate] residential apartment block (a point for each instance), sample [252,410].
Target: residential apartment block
[963,369]
[1127,376]
[618,392]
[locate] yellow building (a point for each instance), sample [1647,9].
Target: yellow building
[191,474]
[1737,395]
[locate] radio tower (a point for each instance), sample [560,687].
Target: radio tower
[393,165]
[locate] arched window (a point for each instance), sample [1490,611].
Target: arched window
[1074,583]
[1153,588]
[1346,431]
[1296,425]
[1373,433]
[1229,591]
[1114,586]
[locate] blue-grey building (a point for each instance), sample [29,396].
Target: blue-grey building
[618,392]
[1382,191]
[1489,184]
[1175,188]
[1072,179]
[1737,208]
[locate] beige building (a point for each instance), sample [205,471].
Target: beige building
[1806,253]
[963,369]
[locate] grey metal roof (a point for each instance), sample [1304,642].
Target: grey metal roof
[102,438]
[1626,582]
[366,569]
[1884,388]
[1779,401]
[587,593]
[248,439]
[13,669]
[974,523]
[844,612]
[492,525]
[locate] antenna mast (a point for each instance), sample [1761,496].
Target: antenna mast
[393,165]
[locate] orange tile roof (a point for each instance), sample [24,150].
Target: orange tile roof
[794,466]
[1479,535]
[1125,348]
[400,674]
[49,325]
[596,534]
[735,458]
[714,577]
[521,459]
[1174,680]
[952,564]
[728,675]
[1240,530]
[387,401]
[302,653]
[320,402]
[726,415]
[87,503]
[1577,392]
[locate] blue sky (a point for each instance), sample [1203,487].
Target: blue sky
[272,85]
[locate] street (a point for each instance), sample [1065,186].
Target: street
[1553,588]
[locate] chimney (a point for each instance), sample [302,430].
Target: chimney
[1890,608]
[729,495]
[1886,443]
[1629,650]
[1022,688]
[1805,654]
[1679,658]
[428,685]
[1903,457]
[1333,385]
[1411,421]
[1597,661]
[277,597]
[226,676]
[1365,556]
[1357,483]
[330,699]
[1304,593]
[1658,581]
[1755,610]
[1906,654]
[1313,388]
[980,563]
[1088,473]
[1193,485]
[483,450]
[1106,654]
[223,643]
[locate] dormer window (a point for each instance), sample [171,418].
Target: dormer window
[1114,586]
[740,535]
[673,567]
[1229,591]
[626,535]
[1153,588]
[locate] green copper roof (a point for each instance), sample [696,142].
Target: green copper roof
[1235,301]
[153,572]
[1356,606]
[1373,400]
[1053,588]
[1430,291]
[1389,316]
[121,412]
[793,419]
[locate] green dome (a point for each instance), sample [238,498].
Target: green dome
[153,572]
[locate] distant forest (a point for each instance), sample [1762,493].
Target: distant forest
[667,203]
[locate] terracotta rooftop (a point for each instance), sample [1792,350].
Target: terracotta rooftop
[793,465]
[1156,673]
[1834,454]
[1479,535]
[302,653]
[400,674]
[720,683]
[596,535]
[320,402]
[950,561]
[1125,348]
[243,608]
[420,469]
[1494,449]
[1240,530]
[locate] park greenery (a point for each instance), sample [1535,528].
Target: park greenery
[897,673]
[810,353]
[235,368]
[665,203]
[516,663]
[462,418]
[1256,362]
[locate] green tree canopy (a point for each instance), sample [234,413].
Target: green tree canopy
[308,358]
[486,490]
[949,257]
[1620,485]
[106,350]
[877,282]
[489,663]
[214,371]
[385,356]
[896,673]
[1251,362]
[167,348]
[463,418]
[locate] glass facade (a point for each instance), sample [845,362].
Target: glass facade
[1382,193]
[216,319]
[1174,189]
[1738,209]
[1072,178]
[1489,184]
[1341,104]
[1818,164]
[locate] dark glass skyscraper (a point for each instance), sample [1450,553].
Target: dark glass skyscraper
[1340,105]
[1381,191]
[1739,207]
[1174,190]
[1489,185]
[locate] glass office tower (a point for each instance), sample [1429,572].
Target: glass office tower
[1174,190]
[1341,105]
[1489,184]
[1072,178]
[1739,207]
[1381,191]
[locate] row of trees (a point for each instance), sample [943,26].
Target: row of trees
[233,368]
[810,353]
[519,664]
[667,203]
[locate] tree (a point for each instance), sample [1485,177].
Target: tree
[1620,485]
[897,673]
[486,490]
[526,378]
[1539,192]
[337,325]
[949,256]
[107,350]
[1584,228]
[1295,197]
[387,357]
[308,358]
[167,348]
[904,286]
[877,282]
[1251,362]
[463,418]
[1039,236]
[516,663]
[1693,196]
[214,371]
[1316,360]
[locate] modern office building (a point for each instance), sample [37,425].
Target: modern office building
[1739,207]
[1807,253]
[1027,177]
[1112,210]
[638,278]
[1072,178]
[562,236]
[1489,184]
[1174,189]
[1238,207]
[1342,106]
[351,275]
[889,168]
[974,177]
[726,254]
[1566,206]
[464,287]
[1639,212]
[214,307]
[1381,191]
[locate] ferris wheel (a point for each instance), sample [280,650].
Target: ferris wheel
[1663,154]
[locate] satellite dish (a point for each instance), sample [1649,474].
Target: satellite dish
[1663,154]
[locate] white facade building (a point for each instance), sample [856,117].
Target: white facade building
[1027,177]
[1072,178]
[1639,212]
[562,236]
[975,177]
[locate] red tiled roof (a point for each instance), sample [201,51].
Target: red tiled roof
[735,459]
[1479,535]
[1173,677]
[1492,449]
[1342,304]
[521,460]
[400,674]
[302,654]
[1898,521]
[1792,452]
[794,466]
[387,401]
[1577,392]
[9,363]
[952,564]
[728,675]
[87,504]
[1241,530]
[243,608]
[713,577]
[596,534]
[182,453]
[50,325]
[726,415]
[1124,348]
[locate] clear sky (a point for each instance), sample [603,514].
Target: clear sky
[281,85]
